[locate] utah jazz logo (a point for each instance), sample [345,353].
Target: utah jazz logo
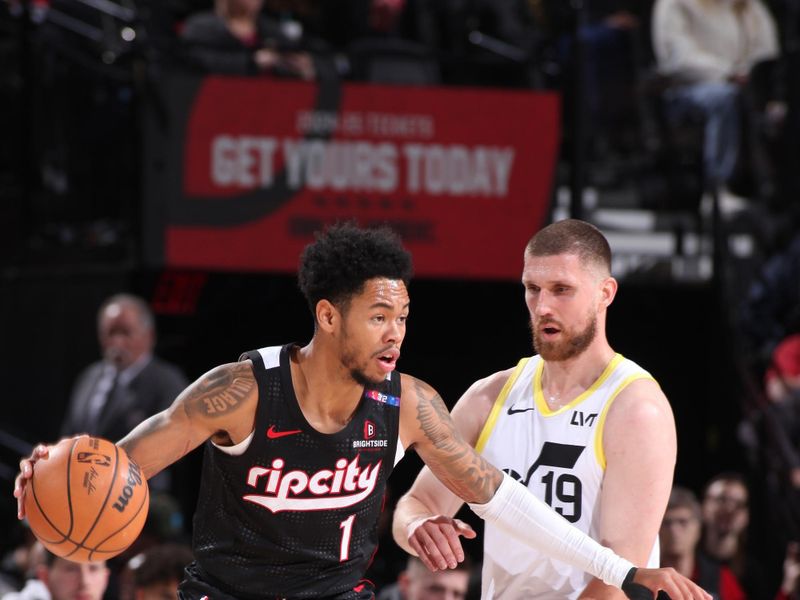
[566,487]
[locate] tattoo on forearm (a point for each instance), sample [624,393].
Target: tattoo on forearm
[456,463]
[221,392]
[132,441]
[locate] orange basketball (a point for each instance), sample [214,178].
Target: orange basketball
[87,501]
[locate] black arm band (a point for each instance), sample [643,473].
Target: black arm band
[628,581]
[635,591]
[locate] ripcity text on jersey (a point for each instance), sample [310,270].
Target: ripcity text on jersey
[558,455]
[292,512]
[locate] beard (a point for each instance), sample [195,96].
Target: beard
[572,344]
[361,378]
[351,363]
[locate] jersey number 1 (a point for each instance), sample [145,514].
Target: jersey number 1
[347,532]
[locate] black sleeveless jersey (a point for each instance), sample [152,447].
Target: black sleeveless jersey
[296,513]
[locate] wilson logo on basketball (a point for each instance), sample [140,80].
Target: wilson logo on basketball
[134,479]
[346,485]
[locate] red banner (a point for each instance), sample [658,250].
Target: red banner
[464,175]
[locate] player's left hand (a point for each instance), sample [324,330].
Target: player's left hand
[436,541]
[669,581]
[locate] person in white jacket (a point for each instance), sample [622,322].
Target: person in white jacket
[708,48]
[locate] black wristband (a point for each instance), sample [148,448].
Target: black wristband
[635,591]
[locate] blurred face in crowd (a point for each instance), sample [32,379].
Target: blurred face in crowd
[124,337]
[565,298]
[68,580]
[680,532]
[725,507]
[418,583]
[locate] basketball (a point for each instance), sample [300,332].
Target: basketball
[88,501]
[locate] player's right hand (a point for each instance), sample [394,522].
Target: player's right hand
[436,540]
[25,473]
[666,580]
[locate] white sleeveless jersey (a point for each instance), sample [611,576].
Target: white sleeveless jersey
[559,456]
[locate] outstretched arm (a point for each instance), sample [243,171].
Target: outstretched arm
[426,426]
[640,447]
[219,405]
[423,522]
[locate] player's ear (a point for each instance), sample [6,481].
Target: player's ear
[608,290]
[327,315]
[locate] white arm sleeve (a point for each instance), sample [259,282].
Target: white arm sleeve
[523,516]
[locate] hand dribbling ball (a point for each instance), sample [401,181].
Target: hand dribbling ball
[87,501]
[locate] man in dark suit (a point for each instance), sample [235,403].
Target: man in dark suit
[129,383]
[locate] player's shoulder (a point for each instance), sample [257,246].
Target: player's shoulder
[639,403]
[224,398]
[479,398]
[488,388]
[236,381]
[239,369]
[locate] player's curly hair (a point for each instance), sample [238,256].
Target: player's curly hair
[344,257]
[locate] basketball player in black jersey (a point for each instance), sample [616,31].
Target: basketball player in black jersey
[299,441]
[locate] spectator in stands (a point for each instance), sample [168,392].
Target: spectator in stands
[726,517]
[20,568]
[129,383]
[707,49]
[155,573]
[771,434]
[680,536]
[61,579]
[416,582]
[782,381]
[23,554]
[236,38]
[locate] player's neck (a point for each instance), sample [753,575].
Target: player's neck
[327,395]
[565,380]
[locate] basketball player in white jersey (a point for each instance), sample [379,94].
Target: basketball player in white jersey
[585,429]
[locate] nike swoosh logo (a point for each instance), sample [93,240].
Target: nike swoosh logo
[274,435]
[512,411]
